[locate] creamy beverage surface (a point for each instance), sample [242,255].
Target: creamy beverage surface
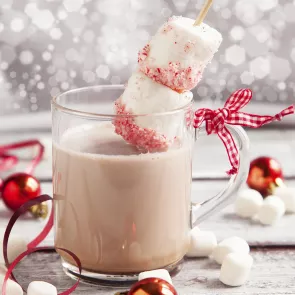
[118,210]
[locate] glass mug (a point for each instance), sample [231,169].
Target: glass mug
[121,210]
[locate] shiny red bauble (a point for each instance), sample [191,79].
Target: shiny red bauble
[152,286]
[18,189]
[265,175]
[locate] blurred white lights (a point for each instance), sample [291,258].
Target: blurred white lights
[265,5]
[26,57]
[4,66]
[280,68]
[103,71]
[289,10]
[247,78]
[226,13]
[56,45]
[44,19]
[247,11]
[31,9]
[282,85]
[65,85]
[73,5]
[261,33]
[237,33]
[260,67]
[235,55]
[46,56]
[55,33]
[62,14]
[40,85]
[17,25]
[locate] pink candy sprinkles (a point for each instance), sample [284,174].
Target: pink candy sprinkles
[143,138]
[173,76]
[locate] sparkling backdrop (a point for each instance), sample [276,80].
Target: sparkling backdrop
[50,46]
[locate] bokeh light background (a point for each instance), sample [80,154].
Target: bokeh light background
[50,46]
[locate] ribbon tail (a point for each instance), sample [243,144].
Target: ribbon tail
[231,149]
[283,113]
[256,121]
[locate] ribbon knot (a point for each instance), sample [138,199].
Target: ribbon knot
[219,119]
[216,122]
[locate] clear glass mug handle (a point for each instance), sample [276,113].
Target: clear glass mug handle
[228,195]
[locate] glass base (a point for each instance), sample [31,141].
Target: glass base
[115,280]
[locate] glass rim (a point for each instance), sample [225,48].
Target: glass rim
[59,107]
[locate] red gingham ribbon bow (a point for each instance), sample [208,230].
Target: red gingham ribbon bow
[216,120]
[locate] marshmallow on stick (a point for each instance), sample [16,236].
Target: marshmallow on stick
[144,96]
[179,52]
[169,66]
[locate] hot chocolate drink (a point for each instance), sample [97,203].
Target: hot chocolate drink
[119,210]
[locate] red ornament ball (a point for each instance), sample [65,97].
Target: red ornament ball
[265,175]
[18,189]
[152,286]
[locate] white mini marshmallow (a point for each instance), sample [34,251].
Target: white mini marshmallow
[16,246]
[235,269]
[287,194]
[230,245]
[202,243]
[181,43]
[157,273]
[12,288]
[41,288]
[271,211]
[144,96]
[248,203]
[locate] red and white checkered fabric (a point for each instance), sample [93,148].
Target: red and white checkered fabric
[216,120]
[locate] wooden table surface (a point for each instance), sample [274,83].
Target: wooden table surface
[273,249]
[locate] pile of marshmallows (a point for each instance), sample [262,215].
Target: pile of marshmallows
[250,204]
[231,253]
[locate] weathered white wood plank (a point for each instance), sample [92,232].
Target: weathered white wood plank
[272,274]
[225,224]
[210,159]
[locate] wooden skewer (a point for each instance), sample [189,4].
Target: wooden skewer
[203,12]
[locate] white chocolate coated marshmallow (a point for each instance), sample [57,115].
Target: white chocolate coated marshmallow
[248,203]
[41,288]
[287,194]
[230,245]
[179,52]
[271,211]
[202,243]
[12,288]
[157,273]
[16,246]
[144,96]
[235,269]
